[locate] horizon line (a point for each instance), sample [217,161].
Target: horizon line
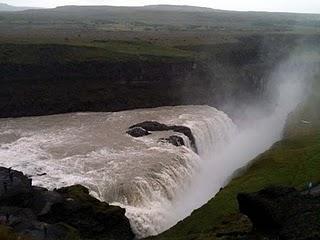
[176,5]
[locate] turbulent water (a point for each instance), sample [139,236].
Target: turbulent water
[144,175]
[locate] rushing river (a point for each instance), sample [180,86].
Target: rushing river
[144,175]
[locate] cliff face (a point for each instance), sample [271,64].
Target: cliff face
[53,87]
[88,86]
[43,79]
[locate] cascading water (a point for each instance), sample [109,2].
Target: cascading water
[144,175]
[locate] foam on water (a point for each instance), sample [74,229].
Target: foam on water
[143,175]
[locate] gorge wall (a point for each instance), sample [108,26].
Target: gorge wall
[230,73]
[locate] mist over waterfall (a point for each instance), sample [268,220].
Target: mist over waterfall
[288,86]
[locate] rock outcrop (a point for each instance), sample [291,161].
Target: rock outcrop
[138,132]
[174,140]
[283,213]
[153,126]
[67,213]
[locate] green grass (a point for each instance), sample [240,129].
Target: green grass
[95,51]
[294,161]
[142,48]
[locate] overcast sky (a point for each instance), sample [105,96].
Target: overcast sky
[311,6]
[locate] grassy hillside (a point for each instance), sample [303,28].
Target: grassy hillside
[165,25]
[294,161]
[38,53]
[161,17]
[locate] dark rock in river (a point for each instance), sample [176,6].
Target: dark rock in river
[67,213]
[138,132]
[154,126]
[186,131]
[174,140]
[283,212]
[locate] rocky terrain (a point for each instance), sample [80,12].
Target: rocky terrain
[67,213]
[283,213]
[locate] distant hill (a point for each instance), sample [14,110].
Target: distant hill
[8,8]
[155,18]
[177,8]
[164,8]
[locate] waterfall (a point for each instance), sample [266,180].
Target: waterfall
[161,191]
[146,176]
[288,87]
[156,182]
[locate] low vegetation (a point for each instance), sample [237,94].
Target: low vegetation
[95,51]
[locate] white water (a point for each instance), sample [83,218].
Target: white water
[144,175]
[246,144]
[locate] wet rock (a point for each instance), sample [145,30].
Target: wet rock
[92,218]
[154,126]
[174,140]
[15,188]
[25,222]
[67,213]
[41,174]
[283,212]
[186,131]
[138,132]
[44,200]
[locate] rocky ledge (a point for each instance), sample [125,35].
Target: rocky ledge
[66,213]
[283,213]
